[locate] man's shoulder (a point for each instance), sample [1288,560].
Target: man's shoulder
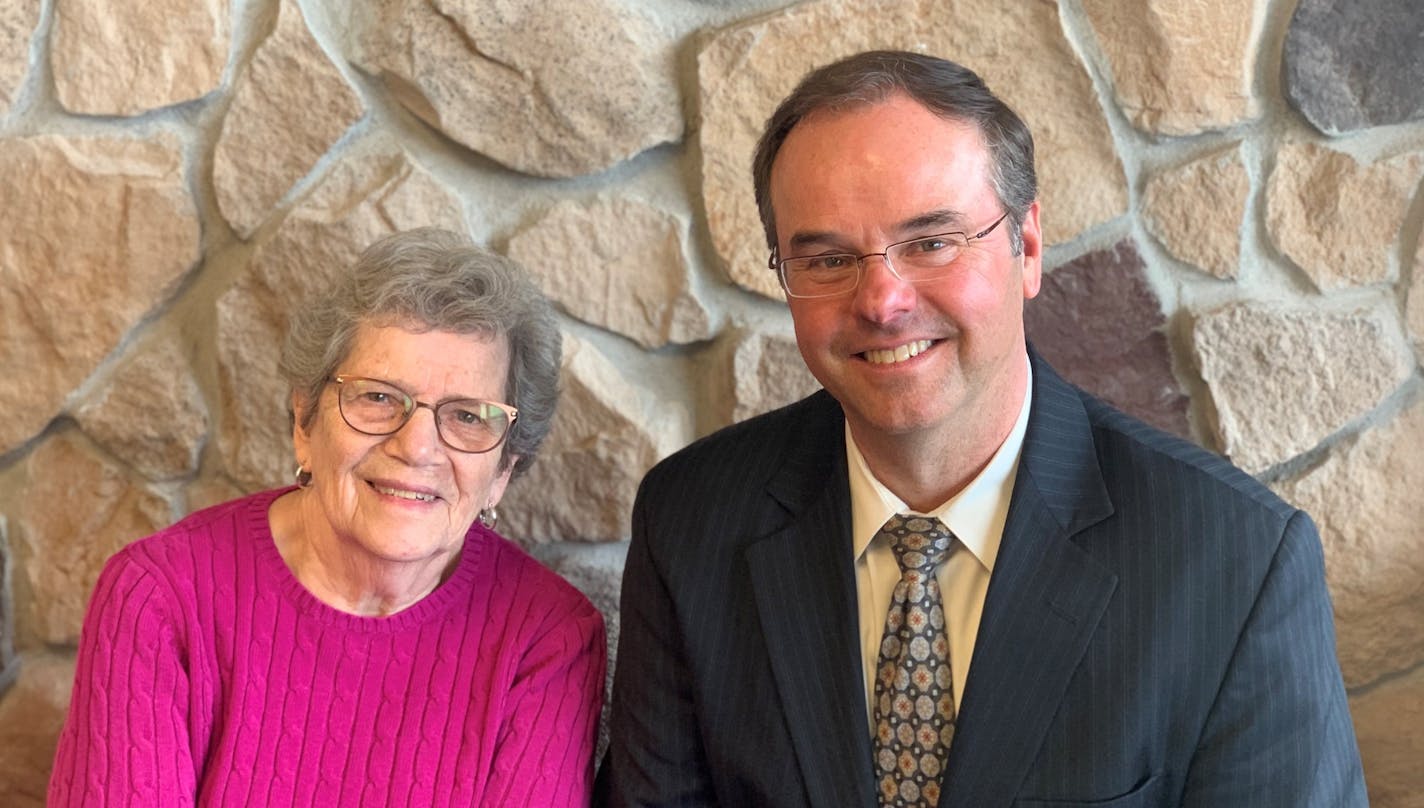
[1130,451]
[756,447]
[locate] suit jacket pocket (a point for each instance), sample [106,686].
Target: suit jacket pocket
[1144,794]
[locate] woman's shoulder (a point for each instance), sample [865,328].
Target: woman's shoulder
[200,539]
[528,583]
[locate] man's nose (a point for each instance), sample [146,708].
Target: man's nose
[882,295]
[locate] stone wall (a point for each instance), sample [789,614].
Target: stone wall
[1230,189]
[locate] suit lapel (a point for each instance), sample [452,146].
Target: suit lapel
[803,578]
[1045,598]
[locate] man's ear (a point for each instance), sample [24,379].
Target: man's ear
[1032,253]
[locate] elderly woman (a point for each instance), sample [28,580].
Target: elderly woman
[364,638]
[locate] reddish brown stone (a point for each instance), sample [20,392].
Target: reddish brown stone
[1100,325]
[7,622]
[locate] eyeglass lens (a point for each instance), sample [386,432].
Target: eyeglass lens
[918,260]
[378,408]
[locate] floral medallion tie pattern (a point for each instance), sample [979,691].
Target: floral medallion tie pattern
[914,687]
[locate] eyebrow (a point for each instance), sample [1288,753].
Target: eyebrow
[942,217]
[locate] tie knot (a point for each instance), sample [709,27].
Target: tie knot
[920,543]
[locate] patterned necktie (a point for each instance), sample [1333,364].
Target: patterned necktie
[914,688]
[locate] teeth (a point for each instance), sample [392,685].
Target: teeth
[396,492]
[900,354]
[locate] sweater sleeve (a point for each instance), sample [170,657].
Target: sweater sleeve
[125,741]
[544,752]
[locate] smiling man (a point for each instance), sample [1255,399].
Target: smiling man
[951,578]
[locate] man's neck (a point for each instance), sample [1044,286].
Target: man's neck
[925,468]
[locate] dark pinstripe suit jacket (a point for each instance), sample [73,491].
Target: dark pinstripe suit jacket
[1156,631]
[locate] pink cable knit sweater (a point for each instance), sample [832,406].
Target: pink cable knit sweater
[208,675]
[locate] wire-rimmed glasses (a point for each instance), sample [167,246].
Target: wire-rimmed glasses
[377,407]
[916,260]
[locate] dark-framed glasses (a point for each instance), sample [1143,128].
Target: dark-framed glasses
[917,260]
[377,407]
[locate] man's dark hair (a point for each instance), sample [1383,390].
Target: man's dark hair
[950,90]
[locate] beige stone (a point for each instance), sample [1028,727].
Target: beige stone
[550,89]
[150,414]
[290,106]
[606,434]
[1179,68]
[1195,210]
[18,19]
[1284,379]
[1335,218]
[1389,725]
[1019,49]
[359,201]
[205,492]
[78,509]
[112,57]
[766,372]
[617,264]
[98,233]
[31,717]
[1414,305]
[1365,499]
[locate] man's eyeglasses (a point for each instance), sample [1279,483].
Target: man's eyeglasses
[921,259]
[375,407]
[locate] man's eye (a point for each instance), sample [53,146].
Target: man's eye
[825,262]
[932,244]
[377,397]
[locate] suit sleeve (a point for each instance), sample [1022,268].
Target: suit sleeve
[655,755]
[1279,732]
[126,740]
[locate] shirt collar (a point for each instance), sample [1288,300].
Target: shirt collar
[976,515]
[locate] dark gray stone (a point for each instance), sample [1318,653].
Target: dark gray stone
[1353,65]
[1099,324]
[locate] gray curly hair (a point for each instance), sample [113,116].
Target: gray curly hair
[435,280]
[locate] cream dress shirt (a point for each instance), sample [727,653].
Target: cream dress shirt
[976,516]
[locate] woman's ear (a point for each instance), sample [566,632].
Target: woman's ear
[300,439]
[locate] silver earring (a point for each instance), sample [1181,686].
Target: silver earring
[489,517]
[303,477]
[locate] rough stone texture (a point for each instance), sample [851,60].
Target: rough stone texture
[1365,497]
[1195,210]
[204,492]
[1179,68]
[1019,49]
[150,414]
[289,107]
[31,717]
[98,232]
[1100,325]
[617,264]
[1389,724]
[1350,66]
[65,547]
[606,434]
[113,57]
[1414,306]
[8,662]
[550,89]
[361,200]
[766,371]
[1337,219]
[1283,379]
[18,19]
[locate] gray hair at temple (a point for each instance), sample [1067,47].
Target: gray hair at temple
[950,90]
[434,280]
